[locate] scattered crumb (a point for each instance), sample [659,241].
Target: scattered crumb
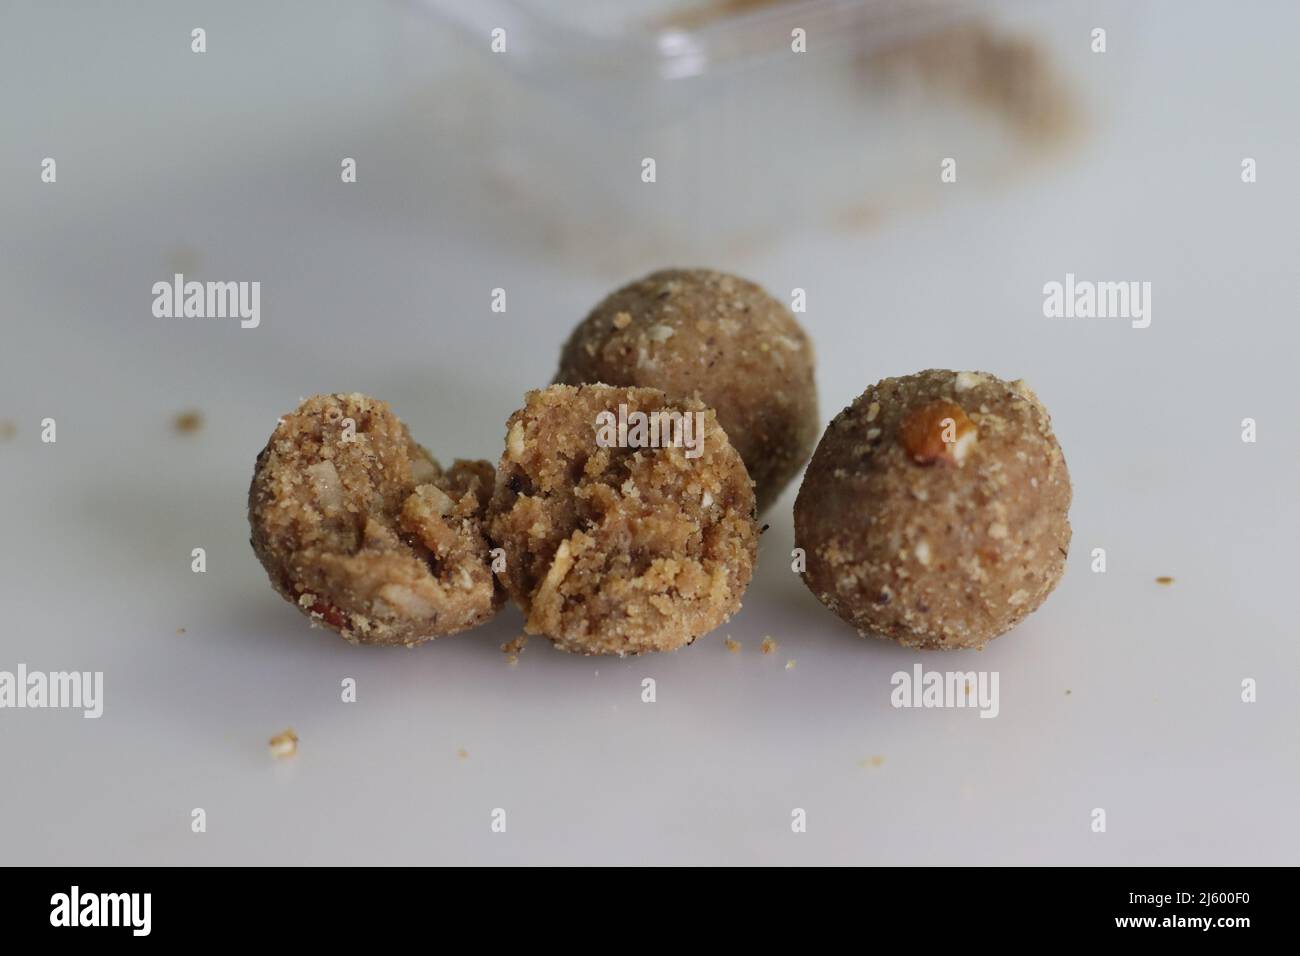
[188,422]
[8,429]
[769,645]
[875,761]
[462,753]
[1068,692]
[180,630]
[789,665]
[512,649]
[733,646]
[1164,580]
[763,529]
[284,744]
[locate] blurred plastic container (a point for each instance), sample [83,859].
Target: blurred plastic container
[750,139]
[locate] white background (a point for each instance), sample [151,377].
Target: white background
[226,166]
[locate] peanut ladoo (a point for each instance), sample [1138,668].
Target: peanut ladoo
[935,509]
[363,531]
[694,333]
[626,519]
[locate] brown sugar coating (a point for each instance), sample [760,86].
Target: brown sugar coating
[360,528]
[693,333]
[619,550]
[935,509]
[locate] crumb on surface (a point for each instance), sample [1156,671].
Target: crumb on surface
[1164,579]
[789,665]
[8,429]
[512,649]
[769,644]
[187,423]
[462,753]
[284,744]
[180,630]
[875,761]
[733,646]
[1068,692]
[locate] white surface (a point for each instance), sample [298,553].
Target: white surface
[384,287]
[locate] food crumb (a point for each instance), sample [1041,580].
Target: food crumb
[180,630]
[462,753]
[1068,692]
[1164,579]
[789,665]
[875,761]
[733,646]
[188,422]
[512,649]
[284,744]
[8,429]
[769,645]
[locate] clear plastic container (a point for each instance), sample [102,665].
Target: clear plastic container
[751,140]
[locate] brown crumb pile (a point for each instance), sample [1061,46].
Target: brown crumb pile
[1164,580]
[188,422]
[284,744]
[614,550]
[768,646]
[732,646]
[367,535]
[1011,77]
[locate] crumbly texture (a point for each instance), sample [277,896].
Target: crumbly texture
[369,536]
[936,550]
[693,333]
[615,550]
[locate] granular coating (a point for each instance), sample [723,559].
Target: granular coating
[694,333]
[935,509]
